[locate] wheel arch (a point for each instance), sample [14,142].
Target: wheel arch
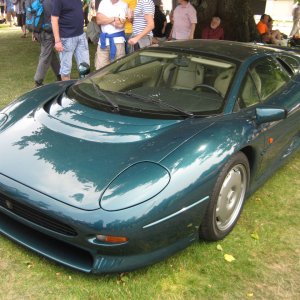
[251,156]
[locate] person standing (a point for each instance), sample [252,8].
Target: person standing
[169,26]
[143,24]
[128,23]
[47,56]
[296,20]
[2,10]
[67,25]
[160,22]
[85,9]
[185,20]
[111,16]
[92,10]
[21,16]
[10,11]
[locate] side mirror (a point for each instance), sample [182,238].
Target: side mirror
[268,114]
[83,69]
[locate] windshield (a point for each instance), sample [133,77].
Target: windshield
[157,83]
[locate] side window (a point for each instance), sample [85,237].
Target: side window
[248,93]
[271,76]
[292,64]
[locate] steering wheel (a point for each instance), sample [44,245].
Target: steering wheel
[209,87]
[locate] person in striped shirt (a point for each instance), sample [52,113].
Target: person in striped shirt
[143,23]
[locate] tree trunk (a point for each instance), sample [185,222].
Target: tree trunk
[236,15]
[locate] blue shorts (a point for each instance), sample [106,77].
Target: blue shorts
[78,46]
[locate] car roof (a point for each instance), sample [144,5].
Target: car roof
[234,50]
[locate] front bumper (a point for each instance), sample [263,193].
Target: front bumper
[82,251]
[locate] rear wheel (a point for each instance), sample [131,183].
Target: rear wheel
[227,199]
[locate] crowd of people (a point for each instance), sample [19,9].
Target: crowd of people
[13,13]
[118,27]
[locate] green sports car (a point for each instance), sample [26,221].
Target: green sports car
[141,158]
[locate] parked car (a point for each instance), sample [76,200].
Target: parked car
[141,158]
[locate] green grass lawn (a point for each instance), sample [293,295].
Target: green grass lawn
[265,243]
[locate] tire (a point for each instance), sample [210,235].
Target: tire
[227,199]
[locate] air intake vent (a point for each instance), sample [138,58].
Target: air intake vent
[35,216]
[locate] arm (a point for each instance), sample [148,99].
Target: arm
[192,31]
[101,19]
[147,29]
[55,28]
[164,27]
[169,38]
[193,19]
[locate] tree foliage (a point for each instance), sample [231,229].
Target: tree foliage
[237,18]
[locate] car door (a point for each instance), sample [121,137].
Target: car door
[277,88]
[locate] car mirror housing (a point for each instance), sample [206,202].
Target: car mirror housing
[268,114]
[83,69]
[135,185]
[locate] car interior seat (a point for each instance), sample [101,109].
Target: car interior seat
[183,77]
[223,80]
[251,89]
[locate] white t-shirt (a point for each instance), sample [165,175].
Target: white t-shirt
[117,10]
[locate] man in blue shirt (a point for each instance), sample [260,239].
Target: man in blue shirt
[67,25]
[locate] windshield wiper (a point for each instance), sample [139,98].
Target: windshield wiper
[158,101]
[101,93]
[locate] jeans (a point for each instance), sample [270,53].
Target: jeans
[78,46]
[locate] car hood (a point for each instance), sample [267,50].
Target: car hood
[72,152]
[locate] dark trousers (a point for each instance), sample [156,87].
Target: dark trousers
[47,57]
[86,18]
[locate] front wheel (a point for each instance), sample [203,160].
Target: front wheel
[227,199]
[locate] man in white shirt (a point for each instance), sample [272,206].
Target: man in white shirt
[111,16]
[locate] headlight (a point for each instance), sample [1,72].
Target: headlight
[135,185]
[3,119]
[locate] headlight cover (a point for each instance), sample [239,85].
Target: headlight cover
[135,185]
[3,119]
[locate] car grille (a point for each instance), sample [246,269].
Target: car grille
[35,216]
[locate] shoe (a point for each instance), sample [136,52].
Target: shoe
[38,84]
[58,77]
